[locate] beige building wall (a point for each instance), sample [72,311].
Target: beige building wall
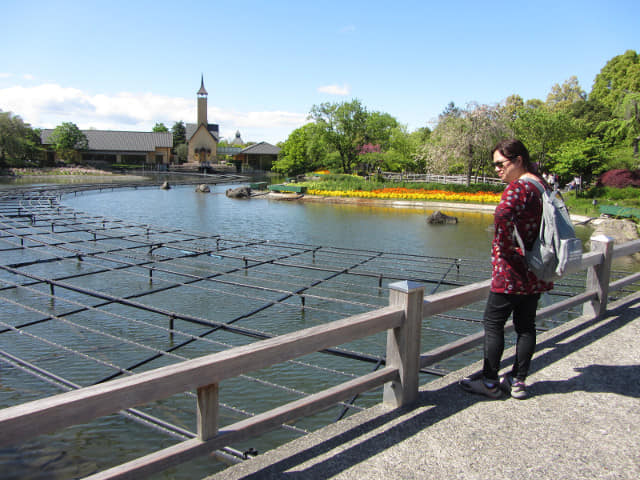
[202,139]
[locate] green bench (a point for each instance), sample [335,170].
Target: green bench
[288,188]
[615,211]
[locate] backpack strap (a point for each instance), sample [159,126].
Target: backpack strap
[541,189]
[538,185]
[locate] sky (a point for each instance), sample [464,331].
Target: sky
[126,65]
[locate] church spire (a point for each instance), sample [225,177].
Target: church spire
[202,91]
[202,103]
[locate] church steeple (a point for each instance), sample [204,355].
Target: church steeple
[202,90]
[202,103]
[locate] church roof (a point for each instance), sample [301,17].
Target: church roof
[192,127]
[112,140]
[262,148]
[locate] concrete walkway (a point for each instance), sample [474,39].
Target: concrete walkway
[583,421]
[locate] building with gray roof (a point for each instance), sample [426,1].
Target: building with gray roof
[113,146]
[259,156]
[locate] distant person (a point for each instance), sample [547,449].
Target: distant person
[514,289]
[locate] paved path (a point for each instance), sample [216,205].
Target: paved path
[583,421]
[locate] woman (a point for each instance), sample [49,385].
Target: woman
[513,287]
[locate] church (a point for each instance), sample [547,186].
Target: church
[202,137]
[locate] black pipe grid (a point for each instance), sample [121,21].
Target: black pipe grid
[111,298]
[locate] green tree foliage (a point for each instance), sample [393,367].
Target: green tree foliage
[617,79]
[579,157]
[160,127]
[512,106]
[337,135]
[543,131]
[344,128]
[179,131]
[302,152]
[617,88]
[182,152]
[18,141]
[67,139]
[379,129]
[563,96]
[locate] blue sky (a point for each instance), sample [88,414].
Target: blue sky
[128,64]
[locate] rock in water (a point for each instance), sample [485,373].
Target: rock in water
[240,192]
[202,188]
[439,218]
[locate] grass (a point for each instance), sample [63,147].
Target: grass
[583,203]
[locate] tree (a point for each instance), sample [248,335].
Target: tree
[182,152]
[619,77]
[67,139]
[563,96]
[302,152]
[464,137]
[344,128]
[451,111]
[543,131]
[18,141]
[179,131]
[160,127]
[580,157]
[631,117]
[379,129]
[512,106]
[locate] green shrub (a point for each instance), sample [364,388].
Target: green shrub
[613,193]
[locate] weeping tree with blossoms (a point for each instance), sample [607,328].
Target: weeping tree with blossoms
[463,140]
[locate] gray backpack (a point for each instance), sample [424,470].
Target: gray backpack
[556,245]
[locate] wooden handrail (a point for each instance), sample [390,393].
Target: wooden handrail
[46,415]
[246,429]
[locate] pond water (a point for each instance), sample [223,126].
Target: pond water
[345,225]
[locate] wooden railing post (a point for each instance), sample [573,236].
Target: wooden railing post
[598,276]
[208,408]
[403,344]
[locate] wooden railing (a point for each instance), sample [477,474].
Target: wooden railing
[401,319]
[433,178]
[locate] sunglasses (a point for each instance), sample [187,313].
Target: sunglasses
[500,164]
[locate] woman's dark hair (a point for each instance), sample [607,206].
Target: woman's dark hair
[512,149]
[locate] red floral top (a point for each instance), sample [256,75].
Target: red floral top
[521,206]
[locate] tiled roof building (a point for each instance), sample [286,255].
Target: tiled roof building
[123,147]
[258,157]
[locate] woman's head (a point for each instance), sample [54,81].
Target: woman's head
[512,149]
[511,159]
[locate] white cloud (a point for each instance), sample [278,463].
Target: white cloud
[4,75]
[48,105]
[335,89]
[28,76]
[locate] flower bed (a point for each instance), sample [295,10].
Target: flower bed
[401,193]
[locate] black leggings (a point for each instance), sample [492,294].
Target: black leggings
[499,307]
